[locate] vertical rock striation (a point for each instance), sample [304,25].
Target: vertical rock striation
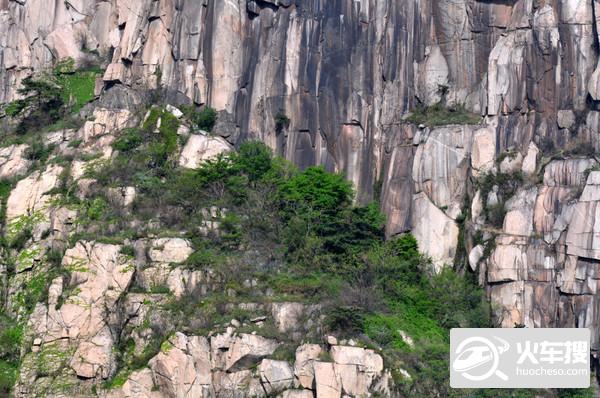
[346,73]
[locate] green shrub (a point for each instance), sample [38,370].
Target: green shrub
[168,130]
[161,150]
[325,356]
[75,143]
[438,115]
[127,250]
[230,230]
[39,151]
[96,209]
[353,230]
[42,105]
[128,141]
[313,286]
[9,372]
[323,231]
[576,392]
[282,122]
[214,170]
[348,321]
[317,192]
[50,97]
[203,259]
[117,380]
[11,334]
[459,302]
[285,352]
[5,189]
[253,159]
[160,289]
[397,264]
[204,119]
[35,292]
[14,108]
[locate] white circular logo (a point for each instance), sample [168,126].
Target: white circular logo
[478,358]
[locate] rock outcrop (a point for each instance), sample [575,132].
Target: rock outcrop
[74,325]
[326,83]
[200,148]
[195,366]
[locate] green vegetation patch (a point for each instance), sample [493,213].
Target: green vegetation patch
[204,118]
[438,115]
[507,184]
[77,88]
[11,335]
[51,99]
[284,235]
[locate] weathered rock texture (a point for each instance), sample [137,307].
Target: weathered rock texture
[195,366]
[346,73]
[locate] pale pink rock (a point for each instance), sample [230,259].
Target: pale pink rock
[200,148]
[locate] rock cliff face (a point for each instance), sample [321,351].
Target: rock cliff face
[111,300]
[516,195]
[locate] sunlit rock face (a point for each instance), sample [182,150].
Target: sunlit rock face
[346,74]
[343,72]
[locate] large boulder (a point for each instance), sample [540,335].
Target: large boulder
[13,161]
[31,194]
[139,384]
[200,148]
[306,355]
[275,375]
[291,316]
[357,368]
[181,368]
[244,350]
[105,121]
[169,250]
[328,382]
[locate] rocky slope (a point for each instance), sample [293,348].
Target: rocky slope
[513,195]
[99,302]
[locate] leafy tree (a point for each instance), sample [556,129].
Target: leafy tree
[355,229]
[459,302]
[205,119]
[253,159]
[317,192]
[42,103]
[50,97]
[128,141]
[324,230]
[397,263]
[347,320]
